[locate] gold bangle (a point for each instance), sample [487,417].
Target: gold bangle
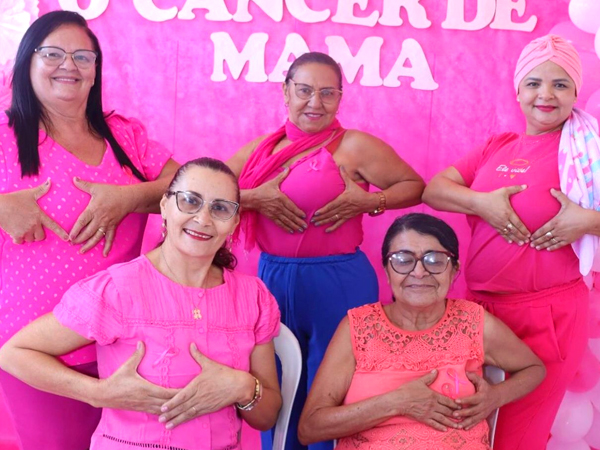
[257,396]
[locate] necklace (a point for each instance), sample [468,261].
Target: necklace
[196,312]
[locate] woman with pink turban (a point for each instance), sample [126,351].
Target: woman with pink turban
[531,201]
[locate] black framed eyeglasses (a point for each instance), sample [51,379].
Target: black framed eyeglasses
[55,56]
[189,202]
[434,262]
[306,92]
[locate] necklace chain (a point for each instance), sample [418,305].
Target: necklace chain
[196,312]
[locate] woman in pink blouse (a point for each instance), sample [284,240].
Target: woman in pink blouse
[75,184]
[184,343]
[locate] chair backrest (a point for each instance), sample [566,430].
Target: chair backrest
[493,375]
[287,349]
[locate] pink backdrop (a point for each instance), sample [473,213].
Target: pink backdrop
[161,73]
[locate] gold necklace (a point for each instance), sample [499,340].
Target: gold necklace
[196,313]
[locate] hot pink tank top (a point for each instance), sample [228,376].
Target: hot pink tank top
[314,180]
[388,357]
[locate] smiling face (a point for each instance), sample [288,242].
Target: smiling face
[199,234]
[53,86]
[311,115]
[546,95]
[419,289]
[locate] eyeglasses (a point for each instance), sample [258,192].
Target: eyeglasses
[190,203]
[434,262]
[55,56]
[306,92]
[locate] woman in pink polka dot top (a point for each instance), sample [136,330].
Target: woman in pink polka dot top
[75,187]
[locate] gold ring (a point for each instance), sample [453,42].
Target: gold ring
[101,230]
[549,234]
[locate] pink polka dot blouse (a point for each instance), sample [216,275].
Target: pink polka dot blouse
[34,276]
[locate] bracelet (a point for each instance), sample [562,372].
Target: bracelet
[255,399]
[381,208]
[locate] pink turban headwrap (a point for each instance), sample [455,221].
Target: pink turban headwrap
[549,48]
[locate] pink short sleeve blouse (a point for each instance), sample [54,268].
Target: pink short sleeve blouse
[35,275]
[134,302]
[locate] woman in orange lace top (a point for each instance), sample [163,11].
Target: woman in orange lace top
[409,374]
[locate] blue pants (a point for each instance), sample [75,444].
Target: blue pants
[314,295]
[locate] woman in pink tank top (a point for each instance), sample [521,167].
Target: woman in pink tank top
[409,374]
[305,189]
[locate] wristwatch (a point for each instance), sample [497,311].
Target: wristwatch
[257,396]
[381,208]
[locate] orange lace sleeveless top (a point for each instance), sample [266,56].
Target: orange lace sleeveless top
[388,357]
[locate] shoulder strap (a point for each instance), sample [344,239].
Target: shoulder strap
[332,146]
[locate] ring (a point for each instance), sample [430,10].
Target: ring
[101,230]
[504,230]
[510,226]
[195,410]
[337,217]
[554,241]
[549,234]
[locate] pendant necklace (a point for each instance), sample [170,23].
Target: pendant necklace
[196,313]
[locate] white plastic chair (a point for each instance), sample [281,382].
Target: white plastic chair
[288,351]
[493,375]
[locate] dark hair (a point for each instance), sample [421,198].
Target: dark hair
[423,224]
[26,112]
[223,258]
[314,58]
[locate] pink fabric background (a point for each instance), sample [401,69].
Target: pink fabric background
[160,73]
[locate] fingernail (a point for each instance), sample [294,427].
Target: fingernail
[291,231]
[162,419]
[139,345]
[169,426]
[164,408]
[301,230]
[76,178]
[521,243]
[538,247]
[510,242]
[316,213]
[47,182]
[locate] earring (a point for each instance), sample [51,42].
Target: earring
[229,242]
[164,229]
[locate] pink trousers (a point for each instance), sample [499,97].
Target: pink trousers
[554,324]
[48,422]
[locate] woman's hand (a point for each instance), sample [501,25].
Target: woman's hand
[216,387]
[106,209]
[268,200]
[568,225]
[126,389]
[427,406]
[350,203]
[495,208]
[22,218]
[478,406]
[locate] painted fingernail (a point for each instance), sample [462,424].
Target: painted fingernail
[538,248]
[291,231]
[510,242]
[164,408]
[169,426]
[300,230]
[521,243]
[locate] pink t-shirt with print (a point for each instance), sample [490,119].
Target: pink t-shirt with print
[35,275]
[493,265]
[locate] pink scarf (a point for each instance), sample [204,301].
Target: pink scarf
[579,171]
[262,163]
